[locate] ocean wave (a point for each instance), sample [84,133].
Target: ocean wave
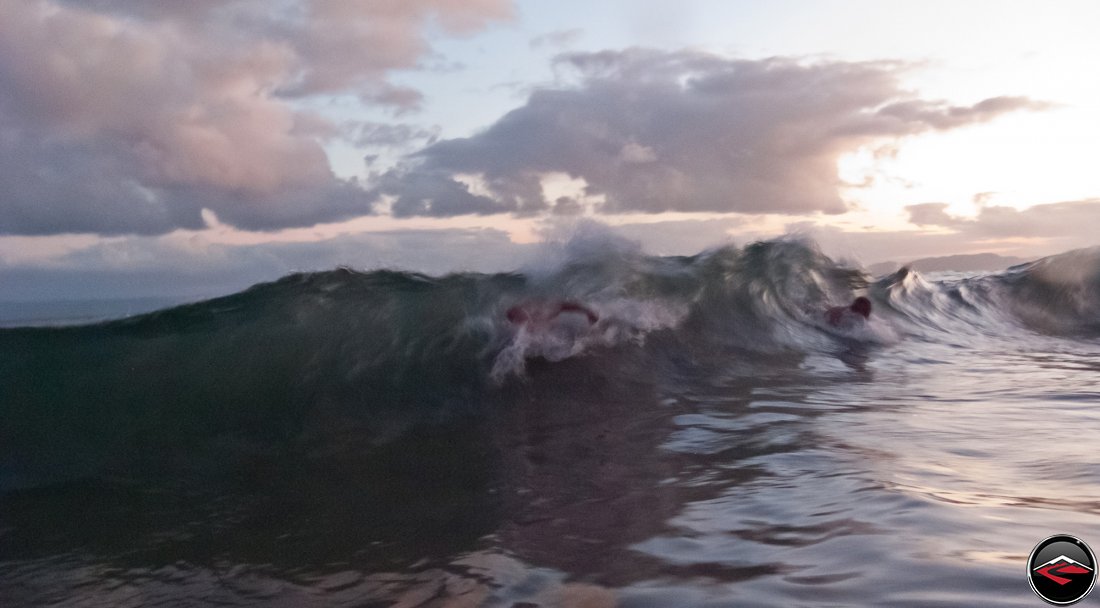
[343,353]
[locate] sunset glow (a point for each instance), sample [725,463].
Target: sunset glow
[129,128]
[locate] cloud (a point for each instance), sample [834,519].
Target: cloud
[120,116]
[336,32]
[133,117]
[1029,233]
[654,131]
[171,266]
[338,45]
[1072,222]
[944,116]
[188,265]
[928,214]
[683,237]
[387,135]
[557,39]
[869,247]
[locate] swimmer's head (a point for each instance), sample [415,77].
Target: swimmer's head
[518,315]
[862,306]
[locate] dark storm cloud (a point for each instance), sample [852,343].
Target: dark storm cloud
[657,131]
[120,116]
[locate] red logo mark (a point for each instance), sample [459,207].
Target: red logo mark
[1062,565]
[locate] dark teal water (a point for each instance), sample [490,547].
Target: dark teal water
[391,440]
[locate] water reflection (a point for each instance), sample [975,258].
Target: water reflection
[622,481]
[574,469]
[905,478]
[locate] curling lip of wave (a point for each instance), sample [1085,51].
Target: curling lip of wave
[345,353]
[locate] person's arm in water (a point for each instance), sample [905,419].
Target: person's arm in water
[568,306]
[860,306]
[523,313]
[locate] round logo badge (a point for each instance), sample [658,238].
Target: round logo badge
[1061,569]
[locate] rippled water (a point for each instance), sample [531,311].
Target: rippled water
[387,439]
[917,474]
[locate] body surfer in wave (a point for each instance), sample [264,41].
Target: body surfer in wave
[849,316]
[553,330]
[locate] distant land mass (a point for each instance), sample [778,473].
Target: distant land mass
[969,262]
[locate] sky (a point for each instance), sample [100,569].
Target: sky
[193,148]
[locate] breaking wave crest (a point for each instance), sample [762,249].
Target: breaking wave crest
[330,358]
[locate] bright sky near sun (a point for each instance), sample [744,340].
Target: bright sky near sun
[965,51]
[961,51]
[141,137]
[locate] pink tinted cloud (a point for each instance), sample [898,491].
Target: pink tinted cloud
[122,116]
[655,131]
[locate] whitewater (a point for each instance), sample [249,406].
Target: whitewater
[650,431]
